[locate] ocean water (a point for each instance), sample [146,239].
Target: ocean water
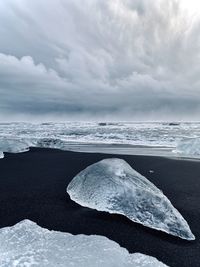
[17,137]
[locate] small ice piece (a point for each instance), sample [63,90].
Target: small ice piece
[51,143]
[27,244]
[151,171]
[112,185]
[1,155]
[189,147]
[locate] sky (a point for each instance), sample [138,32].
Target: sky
[99,60]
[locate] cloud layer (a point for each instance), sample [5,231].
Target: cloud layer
[108,59]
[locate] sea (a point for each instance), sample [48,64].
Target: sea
[159,138]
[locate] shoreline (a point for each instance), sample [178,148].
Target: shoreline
[115,149]
[33,186]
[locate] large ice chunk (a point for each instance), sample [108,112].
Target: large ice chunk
[13,145]
[27,244]
[189,147]
[112,185]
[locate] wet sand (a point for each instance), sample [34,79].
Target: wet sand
[33,186]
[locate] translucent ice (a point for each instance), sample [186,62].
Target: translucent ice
[1,155]
[189,147]
[112,185]
[26,244]
[13,145]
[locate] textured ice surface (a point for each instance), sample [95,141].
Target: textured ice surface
[13,145]
[26,244]
[189,147]
[112,185]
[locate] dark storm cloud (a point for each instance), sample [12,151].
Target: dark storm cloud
[104,59]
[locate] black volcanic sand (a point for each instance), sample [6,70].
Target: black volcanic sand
[33,186]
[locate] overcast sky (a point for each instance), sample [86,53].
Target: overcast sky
[99,59]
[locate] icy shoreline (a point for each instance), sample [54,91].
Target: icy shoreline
[180,140]
[116,149]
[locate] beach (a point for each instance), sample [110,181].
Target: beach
[33,186]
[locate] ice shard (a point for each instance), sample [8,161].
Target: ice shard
[189,147]
[27,244]
[112,185]
[13,145]
[1,155]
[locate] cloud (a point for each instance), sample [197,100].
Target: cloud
[112,59]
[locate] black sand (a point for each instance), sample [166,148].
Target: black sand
[33,184]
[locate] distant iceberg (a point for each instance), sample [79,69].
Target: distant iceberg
[27,244]
[189,147]
[112,185]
